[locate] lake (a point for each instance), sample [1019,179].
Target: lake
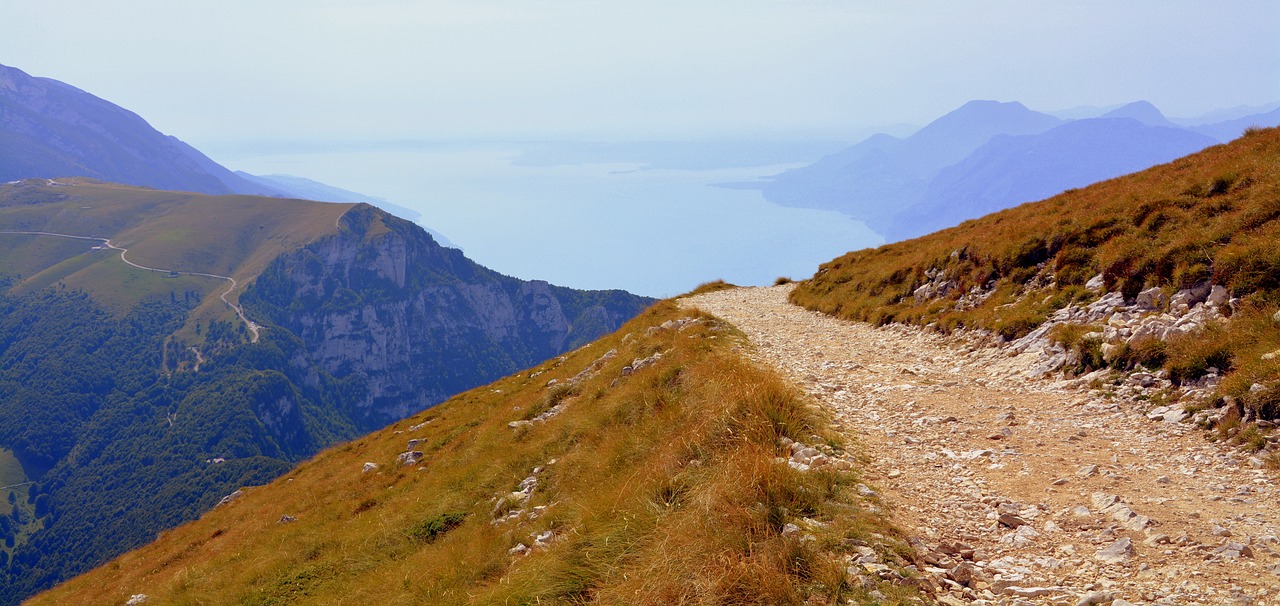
[649,218]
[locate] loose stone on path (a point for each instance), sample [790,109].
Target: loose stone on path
[1057,494]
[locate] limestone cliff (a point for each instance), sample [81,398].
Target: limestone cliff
[406,322]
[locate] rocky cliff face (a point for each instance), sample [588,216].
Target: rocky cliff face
[406,322]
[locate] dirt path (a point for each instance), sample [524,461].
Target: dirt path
[1024,492]
[252,326]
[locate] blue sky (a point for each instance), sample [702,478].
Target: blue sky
[241,70]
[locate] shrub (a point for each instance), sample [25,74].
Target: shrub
[431,529]
[1150,353]
[1190,356]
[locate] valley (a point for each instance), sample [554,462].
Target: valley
[143,382]
[460,303]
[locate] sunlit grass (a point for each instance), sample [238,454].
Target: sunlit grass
[659,487]
[1209,217]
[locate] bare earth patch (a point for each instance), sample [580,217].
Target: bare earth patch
[1023,491]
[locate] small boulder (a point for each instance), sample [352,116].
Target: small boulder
[368,467]
[285,519]
[1095,598]
[229,498]
[1010,520]
[1027,592]
[1217,296]
[412,457]
[962,573]
[543,538]
[1150,299]
[137,598]
[1096,283]
[1115,553]
[1234,551]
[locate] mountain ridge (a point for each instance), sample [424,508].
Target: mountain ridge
[363,319]
[889,183]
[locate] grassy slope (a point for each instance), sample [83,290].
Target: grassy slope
[235,236]
[1211,216]
[660,487]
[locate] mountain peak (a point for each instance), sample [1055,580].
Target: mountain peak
[1142,111]
[990,105]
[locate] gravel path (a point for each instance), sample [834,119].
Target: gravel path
[1020,491]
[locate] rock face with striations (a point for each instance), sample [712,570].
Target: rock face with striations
[408,322]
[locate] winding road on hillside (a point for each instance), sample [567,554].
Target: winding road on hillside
[1026,491]
[249,324]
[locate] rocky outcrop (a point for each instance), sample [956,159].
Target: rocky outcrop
[407,322]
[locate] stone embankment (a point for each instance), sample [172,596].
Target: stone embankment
[1029,491]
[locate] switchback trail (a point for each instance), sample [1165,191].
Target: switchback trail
[1019,491]
[252,326]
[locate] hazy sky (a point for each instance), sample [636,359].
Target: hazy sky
[236,70]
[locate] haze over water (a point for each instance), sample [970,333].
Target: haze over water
[589,224]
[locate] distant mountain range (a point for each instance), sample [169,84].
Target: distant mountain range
[986,156]
[50,129]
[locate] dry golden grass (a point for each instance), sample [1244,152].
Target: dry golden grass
[664,490]
[1208,217]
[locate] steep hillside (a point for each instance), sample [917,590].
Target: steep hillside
[1174,267]
[412,322]
[1009,170]
[50,129]
[654,466]
[159,348]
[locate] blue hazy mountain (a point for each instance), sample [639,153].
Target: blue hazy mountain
[1227,114]
[873,179]
[987,156]
[50,129]
[1009,170]
[1230,129]
[1141,111]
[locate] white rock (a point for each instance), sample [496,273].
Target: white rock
[135,599]
[1094,598]
[1116,553]
[411,457]
[368,467]
[1150,299]
[229,498]
[1217,296]
[1028,592]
